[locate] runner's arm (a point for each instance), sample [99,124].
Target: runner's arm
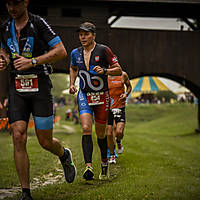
[57,49]
[128,86]
[73,76]
[57,52]
[127,83]
[114,70]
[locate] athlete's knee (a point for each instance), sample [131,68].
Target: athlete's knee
[110,138]
[19,127]
[19,141]
[120,133]
[101,135]
[86,129]
[45,144]
[109,131]
[100,130]
[19,135]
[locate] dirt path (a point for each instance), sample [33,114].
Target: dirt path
[47,179]
[40,181]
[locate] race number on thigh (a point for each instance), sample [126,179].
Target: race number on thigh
[95,98]
[117,112]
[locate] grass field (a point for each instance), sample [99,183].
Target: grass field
[161,160]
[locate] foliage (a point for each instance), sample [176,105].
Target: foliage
[60,83]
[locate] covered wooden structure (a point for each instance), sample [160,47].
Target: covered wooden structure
[170,54]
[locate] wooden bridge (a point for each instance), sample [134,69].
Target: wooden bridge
[169,54]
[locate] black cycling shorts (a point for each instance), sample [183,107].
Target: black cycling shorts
[22,104]
[117,114]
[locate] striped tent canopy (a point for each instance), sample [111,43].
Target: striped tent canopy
[147,85]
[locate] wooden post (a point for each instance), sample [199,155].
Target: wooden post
[198,117]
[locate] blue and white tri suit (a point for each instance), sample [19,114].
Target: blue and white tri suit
[91,82]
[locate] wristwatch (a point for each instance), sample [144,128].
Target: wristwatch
[34,62]
[104,70]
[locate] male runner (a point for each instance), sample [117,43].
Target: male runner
[116,117]
[92,62]
[31,44]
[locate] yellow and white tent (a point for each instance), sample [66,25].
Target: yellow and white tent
[147,85]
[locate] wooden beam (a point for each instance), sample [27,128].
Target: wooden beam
[153,1]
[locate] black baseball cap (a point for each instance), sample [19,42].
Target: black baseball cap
[87,26]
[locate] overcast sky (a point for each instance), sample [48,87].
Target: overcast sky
[152,23]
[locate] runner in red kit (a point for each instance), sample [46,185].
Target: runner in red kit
[116,117]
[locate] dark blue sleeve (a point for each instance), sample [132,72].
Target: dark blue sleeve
[73,58]
[48,35]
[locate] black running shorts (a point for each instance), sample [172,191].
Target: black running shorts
[117,114]
[22,104]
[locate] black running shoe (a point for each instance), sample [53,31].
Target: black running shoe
[25,196]
[88,173]
[68,166]
[104,175]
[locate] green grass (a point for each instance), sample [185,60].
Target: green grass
[60,83]
[161,160]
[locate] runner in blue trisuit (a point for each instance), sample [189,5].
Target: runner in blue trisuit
[92,62]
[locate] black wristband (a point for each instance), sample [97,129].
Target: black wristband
[105,70]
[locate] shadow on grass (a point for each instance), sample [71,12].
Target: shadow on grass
[193,134]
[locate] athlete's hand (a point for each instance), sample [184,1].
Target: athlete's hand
[98,69]
[122,97]
[5,102]
[72,89]
[22,63]
[1,106]
[3,62]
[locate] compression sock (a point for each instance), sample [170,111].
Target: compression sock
[103,148]
[87,146]
[27,191]
[118,141]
